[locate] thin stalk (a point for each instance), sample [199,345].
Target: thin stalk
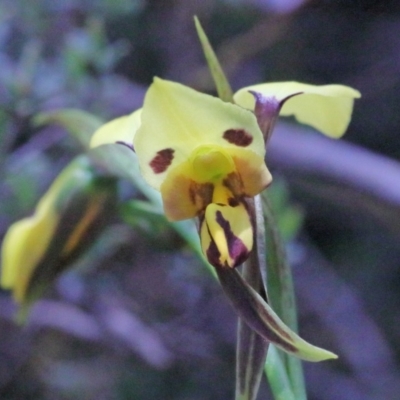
[251,350]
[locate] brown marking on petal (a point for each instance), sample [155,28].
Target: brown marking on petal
[213,254]
[238,136]
[237,250]
[233,202]
[233,182]
[201,194]
[162,160]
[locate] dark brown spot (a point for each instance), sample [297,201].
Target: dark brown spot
[162,160]
[238,136]
[201,194]
[233,202]
[234,183]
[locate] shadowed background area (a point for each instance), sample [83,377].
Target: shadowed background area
[140,317]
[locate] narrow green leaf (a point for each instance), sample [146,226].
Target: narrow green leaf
[80,124]
[281,297]
[279,277]
[221,82]
[261,318]
[277,375]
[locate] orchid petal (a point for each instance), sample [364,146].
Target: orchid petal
[185,195]
[24,245]
[27,240]
[177,119]
[326,108]
[184,198]
[69,216]
[119,130]
[253,173]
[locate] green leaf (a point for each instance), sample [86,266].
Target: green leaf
[277,375]
[282,299]
[221,82]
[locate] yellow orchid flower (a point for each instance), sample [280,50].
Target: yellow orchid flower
[205,156]
[37,248]
[326,108]
[124,128]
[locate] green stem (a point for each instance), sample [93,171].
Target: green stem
[251,348]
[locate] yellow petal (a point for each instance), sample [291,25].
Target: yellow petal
[27,240]
[177,119]
[326,108]
[183,197]
[254,174]
[210,163]
[226,235]
[24,245]
[121,129]
[189,187]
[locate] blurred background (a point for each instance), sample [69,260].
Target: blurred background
[140,317]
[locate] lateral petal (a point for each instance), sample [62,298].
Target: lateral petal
[327,108]
[24,245]
[27,240]
[184,198]
[119,130]
[253,172]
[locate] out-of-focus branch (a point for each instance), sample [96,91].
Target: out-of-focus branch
[352,176]
[114,325]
